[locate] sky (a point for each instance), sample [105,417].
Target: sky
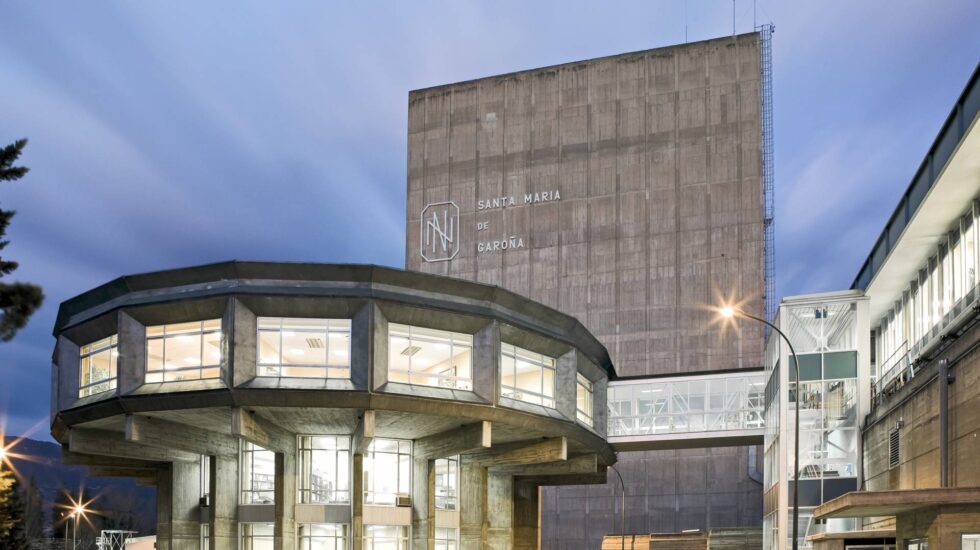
[169,134]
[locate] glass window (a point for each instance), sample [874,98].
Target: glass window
[447,482]
[446,538]
[583,400]
[969,256]
[970,542]
[527,376]
[429,357]
[809,366]
[258,536]
[324,469]
[258,475]
[387,471]
[839,364]
[205,536]
[918,544]
[322,536]
[97,366]
[385,537]
[183,351]
[303,348]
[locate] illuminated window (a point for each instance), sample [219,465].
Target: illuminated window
[258,475]
[385,537]
[303,348]
[258,536]
[324,469]
[183,351]
[429,357]
[527,376]
[583,400]
[446,538]
[447,482]
[97,367]
[322,536]
[387,471]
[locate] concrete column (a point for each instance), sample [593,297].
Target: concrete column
[566,370]
[527,499]
[423,504]
[499,511]
[239,345]
[131,364]
[600,409]
[486,362]
[285,501]
[178,509]
[472,506]
[224,502]
[66,352]
[361,347]
[357,501]
[379,335]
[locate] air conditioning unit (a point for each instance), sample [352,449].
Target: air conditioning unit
[403,500]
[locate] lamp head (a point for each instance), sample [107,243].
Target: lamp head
[727,312]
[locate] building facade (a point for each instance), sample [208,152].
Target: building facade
[282,406]
[913,481]
[627,192]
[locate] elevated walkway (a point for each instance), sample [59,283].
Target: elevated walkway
[687,411]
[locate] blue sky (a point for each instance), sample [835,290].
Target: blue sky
[166,134]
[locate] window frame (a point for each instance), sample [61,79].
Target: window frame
[247,495]
[202,332]
[368,494]
[402,541]
[109,345]
[461,340]
[584,384]
[451,497]
[304,468]
[325,331]
[537,360]
[340,541]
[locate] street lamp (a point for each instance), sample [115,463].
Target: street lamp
[731,312]
[622,510]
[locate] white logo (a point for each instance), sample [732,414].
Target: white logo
[439,240]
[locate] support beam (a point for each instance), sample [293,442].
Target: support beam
[464,439]
[585,464]
[285,492]
[141,475]
[598,478]
[523,452]
[69,458]
[172,435]
[178,510]
[255,429]
[106,443]
[364,433]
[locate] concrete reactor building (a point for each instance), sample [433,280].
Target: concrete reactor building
[631,193]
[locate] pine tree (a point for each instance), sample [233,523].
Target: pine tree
[33,512]
[17,300]
[12,534]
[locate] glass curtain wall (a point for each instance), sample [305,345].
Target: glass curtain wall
[97,366]
[324,469]
[771,462]
[303,348]
[258,473]
[183,351]
[387,471]
[527,376]
[429,357]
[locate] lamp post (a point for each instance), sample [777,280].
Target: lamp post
[731,312]
[622,510]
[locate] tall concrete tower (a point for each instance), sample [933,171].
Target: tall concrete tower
[627,191]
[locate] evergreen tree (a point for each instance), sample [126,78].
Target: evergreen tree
[12,534]
[17,300]
[33,512]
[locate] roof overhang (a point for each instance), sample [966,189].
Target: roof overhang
[939,212]
[862,504]
[853,535]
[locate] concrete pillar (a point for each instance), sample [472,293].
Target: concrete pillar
[66,352]
[131,364]
[224,502]
[357,501]
[361,347]
[178,509]
[379,335]
[600,412]
[486,362]
[285,501]
[499,511]
[566,371]
[239,346]
[527,500]
[472,506]
[423,504]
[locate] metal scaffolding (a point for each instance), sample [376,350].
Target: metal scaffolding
[765,67]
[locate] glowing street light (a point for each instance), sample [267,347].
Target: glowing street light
[733,312]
